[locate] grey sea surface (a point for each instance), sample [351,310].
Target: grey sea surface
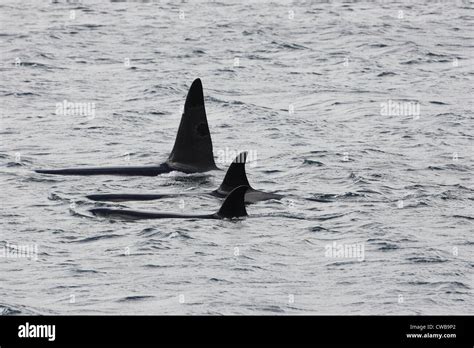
[360,113]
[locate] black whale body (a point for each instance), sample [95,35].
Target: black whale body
[192,151]
[235,177]
[233,207]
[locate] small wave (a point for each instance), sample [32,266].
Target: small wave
[464,217]
[135,298]
[14,164]
[40,66]
[422,259]
[292,46]
[318,229]
[450,166]
[385,246]
[446,285]
[67,287]
[149,231]
[18,310]
[282,215]
[156,266]
[329,217]
[412,61]
[343,263]
[217,280]
[417,204]
[76,213]
[270,308]
[80,271]
[319,153]
[330,197]
[323,198]
[241,269]
[313,163]
[179,235]
[55,197]
[96,238]
[7,310]
[87,26]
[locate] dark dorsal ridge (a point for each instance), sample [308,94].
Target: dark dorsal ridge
[192,149]
[235,175]
[234,204]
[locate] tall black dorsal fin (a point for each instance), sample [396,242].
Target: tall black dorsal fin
[192,151]
[235,175]
[234,204]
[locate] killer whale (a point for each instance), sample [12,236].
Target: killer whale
[235,177]
[233,207]
[191,153]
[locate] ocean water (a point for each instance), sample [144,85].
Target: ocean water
[360,113]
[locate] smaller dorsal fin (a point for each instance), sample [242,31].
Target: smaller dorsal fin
[235,175]
[234,204]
